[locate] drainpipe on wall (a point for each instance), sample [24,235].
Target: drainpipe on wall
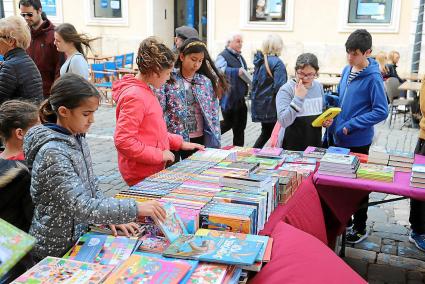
[416,56]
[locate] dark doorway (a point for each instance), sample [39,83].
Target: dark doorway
[191,13]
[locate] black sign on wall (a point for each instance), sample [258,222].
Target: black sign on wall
[1,9]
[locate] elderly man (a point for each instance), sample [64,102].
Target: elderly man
[233,107]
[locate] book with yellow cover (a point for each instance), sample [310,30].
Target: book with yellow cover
[328,114]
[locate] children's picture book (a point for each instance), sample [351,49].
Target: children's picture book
[173,226]
[314,152]
[269,152]
[208,273]
[150,243]
[143,269]
[91,248]
[230,235]
[327,114]
[14,244]
[59,270]
[213,249]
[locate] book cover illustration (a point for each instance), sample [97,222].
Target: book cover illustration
[143,269]
[91,247]
[208,273]
[211,249]
[59,270]
[150,243]
[173,226]
[116,249]
[338,159]
[230,235]
[269,152]
[14,244]
[338,150]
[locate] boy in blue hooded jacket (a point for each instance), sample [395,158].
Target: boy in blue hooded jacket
[363,102]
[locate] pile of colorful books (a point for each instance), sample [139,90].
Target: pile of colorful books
[339,165]
[418,176]
[376,172]
[378,155]
[402,161]
[314,152]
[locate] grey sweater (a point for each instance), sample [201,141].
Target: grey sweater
[289,106]
[65,192]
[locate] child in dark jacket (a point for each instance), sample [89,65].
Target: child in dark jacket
[16,117]
[16,207]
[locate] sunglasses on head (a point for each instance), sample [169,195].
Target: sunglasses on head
[29,15]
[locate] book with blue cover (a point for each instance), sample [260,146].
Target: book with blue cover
[212,249]
[338,150]
[91,248]
[173,226]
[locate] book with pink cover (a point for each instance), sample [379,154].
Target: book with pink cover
[143,269]
[269,152]
[59,270]
[151,243]
[208,273]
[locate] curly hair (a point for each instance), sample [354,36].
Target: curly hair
[154,56]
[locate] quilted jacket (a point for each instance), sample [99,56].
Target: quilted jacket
[65,192]
[19,78]
[172,98]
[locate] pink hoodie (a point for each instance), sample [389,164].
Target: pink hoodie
[141,133]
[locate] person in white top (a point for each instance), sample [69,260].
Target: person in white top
[70,42]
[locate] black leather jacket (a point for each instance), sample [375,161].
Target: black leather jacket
[20,78]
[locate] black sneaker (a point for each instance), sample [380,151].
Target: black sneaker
[354,237]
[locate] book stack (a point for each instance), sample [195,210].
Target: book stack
[376,172]
[339,165]
[269,152]
[402,161]
[243,167]
[418,176]
[148,190]
[297,157]
[314,152]
[302,170]
[378,155]
[338,150]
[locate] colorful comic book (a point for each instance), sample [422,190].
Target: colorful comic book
[59,270]
[14,244]
[213,249]
[143,269]
[173,226]
[230,235]
[150,243]
[208,273]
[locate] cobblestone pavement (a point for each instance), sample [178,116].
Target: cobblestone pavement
[385,257]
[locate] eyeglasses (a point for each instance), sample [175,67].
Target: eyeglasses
[29,15]
[308,76]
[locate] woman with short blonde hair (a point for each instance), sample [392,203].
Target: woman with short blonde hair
[16,28]
[272,45]
[19,76]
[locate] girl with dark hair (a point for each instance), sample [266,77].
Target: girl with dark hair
[64,189]
[298,103]
[141,135]
[70,42]
[190,101]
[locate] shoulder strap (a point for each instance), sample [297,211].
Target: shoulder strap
[69,64]
[266,64]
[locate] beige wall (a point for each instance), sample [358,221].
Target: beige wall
[315,29]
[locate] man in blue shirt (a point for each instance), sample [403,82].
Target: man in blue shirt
[364,103]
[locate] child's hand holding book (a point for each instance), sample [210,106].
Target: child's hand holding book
[151,208]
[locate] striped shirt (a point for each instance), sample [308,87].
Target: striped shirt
[354,75]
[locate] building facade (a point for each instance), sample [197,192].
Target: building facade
[320,27]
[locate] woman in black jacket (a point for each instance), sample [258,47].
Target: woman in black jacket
[19,76]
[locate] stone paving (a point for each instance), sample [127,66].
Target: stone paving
[386,256]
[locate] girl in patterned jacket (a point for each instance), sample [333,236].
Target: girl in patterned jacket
[63,188]
[190,100]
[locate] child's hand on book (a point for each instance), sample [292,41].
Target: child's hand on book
[327,123]
[192,146]
[130,229]
[151,208]
[167,156]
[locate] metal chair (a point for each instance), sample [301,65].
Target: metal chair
[393,94]
[119,61]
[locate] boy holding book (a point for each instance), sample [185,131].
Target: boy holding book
[363,102]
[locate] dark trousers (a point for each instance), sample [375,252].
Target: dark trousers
[235,119]
[266,132]
[417,207]
[360,217]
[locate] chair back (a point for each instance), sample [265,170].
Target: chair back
[1,58]
[128,61]
[99,67]
[391,87]
[119,61]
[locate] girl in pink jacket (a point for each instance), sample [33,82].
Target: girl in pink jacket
[141,136]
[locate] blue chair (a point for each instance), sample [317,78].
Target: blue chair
[111,66]
[1,58]
[128,60]
[103,79]
[119,61]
